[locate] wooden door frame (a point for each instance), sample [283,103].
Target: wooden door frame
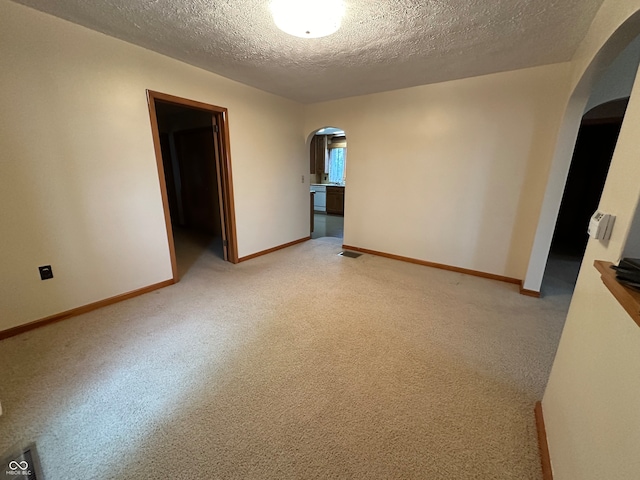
[222,117]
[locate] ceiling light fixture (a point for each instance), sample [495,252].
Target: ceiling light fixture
[308,18]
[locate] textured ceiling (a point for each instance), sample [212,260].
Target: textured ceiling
[382,45]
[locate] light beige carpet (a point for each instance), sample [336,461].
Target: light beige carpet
[301,364]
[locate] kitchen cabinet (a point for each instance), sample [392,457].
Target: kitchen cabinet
[318,154]
[335,200]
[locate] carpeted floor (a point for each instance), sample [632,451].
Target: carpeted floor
[300,364]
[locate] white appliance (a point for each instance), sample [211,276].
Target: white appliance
[320,198]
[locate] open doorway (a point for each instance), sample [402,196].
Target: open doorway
[596,142]
[191,144]
[327,165]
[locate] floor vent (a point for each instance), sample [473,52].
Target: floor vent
[345,253]
[21,466]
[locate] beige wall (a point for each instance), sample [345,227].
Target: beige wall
[78,181]
[591,402]
[462,185]
[462,181]
[616,82]
[614,26]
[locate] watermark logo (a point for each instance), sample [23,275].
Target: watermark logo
[18,468]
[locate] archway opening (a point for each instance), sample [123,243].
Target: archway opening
[609,76]
[328,185]
[596,142]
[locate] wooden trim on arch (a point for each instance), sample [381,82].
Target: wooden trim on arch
[274,249]
[83,309]
[441,266]
[545,458]
[602,121]
[222,119]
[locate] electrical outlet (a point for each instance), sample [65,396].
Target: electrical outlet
[302,178]
[45,272]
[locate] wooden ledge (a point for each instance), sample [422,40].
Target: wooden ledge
[627,297]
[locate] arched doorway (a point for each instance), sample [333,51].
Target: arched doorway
[593,383]
[596,142]
[580,100]
[327,167]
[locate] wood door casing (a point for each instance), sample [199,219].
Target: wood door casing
[217,150]
[226,176]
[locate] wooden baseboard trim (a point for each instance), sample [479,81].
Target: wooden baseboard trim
[528,293]
[545,459]
[80,310]
[274,249]
[441,266]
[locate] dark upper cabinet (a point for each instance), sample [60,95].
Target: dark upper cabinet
[317,154]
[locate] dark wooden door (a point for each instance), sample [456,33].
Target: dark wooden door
[217,151]
[169,177]
[317,154]
[196,154]
[321,154]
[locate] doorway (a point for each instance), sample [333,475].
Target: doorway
[596,142]
[327,166]
[191,142]
[610,75]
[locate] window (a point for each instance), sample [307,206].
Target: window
[337,158]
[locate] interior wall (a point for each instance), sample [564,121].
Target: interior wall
[462,181]
[632,246]
[615,25]
[591,401]
[617,81]
[78,180]
[590,404]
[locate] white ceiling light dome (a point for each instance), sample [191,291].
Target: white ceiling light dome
[308,18]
